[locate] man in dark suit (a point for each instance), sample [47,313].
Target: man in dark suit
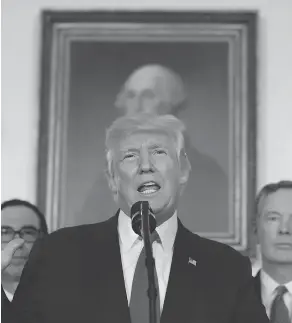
[21,225]
[273,225]
[89,273]
[23,219]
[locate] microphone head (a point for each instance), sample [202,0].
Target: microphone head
[136,215]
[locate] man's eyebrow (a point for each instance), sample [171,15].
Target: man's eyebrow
[129,149]
[152,146]
[29,227]
[24,227]
[155,146]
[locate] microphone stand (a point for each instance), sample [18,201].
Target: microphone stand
[149,262]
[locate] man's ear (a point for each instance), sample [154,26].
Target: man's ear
[185,167]
[255,232]
[112,181]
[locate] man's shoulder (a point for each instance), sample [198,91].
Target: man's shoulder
[216,253]
[81,234]
[215,248]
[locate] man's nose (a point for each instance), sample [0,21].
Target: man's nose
[286,225]
[145,162]
[17,235]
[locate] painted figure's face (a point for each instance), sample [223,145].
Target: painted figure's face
[151,89]
[17,218]
[147,168]
[275,227]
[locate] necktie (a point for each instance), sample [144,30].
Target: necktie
[279,311]
[139,302]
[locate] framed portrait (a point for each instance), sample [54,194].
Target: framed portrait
[86,60]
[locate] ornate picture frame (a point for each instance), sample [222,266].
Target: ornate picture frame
[86,56]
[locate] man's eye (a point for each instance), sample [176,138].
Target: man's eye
[148,94]
[159,152]
[6,230]
[129,156]
[130,94]
[29,231]
[273,217]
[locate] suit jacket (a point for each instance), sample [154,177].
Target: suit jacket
[75,275]
[258,285]
[5,304]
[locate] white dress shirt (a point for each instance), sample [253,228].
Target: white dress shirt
[9,295]
[131,247]
[269,292]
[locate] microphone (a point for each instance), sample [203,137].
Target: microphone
[142,218]
[144,223]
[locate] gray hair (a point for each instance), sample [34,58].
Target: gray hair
[127,125]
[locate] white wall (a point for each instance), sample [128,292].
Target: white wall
[20,79]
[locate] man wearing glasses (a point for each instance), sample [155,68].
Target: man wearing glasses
[23,222]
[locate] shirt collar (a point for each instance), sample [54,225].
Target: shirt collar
[289,287]
[167,232]
[126,233]
[9,295]
[269,286]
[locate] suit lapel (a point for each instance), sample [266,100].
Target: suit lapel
[257,281]
[182,302]
[110,276]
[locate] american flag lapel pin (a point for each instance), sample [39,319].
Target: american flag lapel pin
[192,261]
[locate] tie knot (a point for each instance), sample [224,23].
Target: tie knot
[154,237]
[281,290]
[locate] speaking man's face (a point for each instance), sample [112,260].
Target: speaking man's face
[275,227]
[147,168]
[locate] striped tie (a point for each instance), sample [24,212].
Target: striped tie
[279,311]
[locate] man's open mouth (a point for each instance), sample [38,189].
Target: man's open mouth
[148,188]
[284,245]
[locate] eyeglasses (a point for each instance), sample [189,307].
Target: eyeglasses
[28,234]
